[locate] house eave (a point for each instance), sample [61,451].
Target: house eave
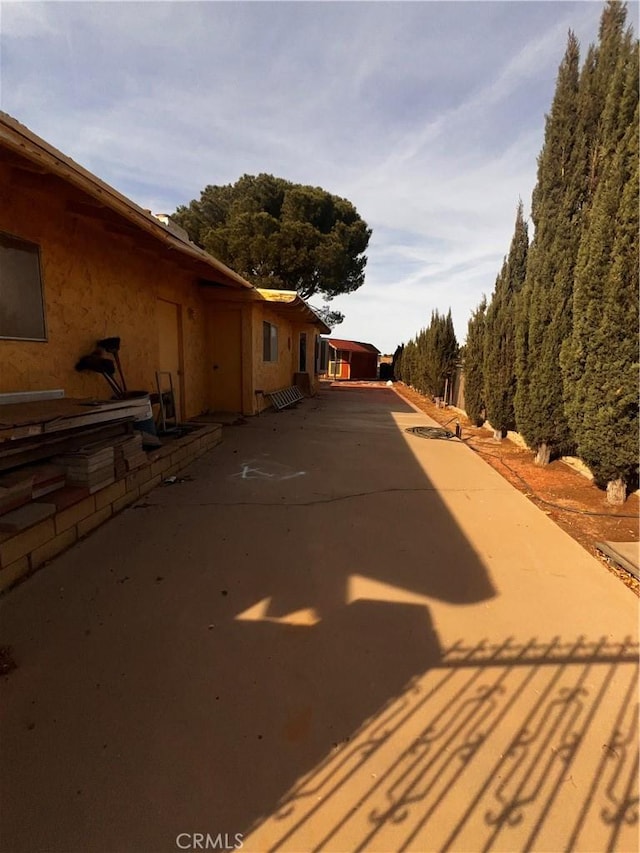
[22,142]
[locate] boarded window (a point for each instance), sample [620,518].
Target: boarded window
[21,299]
[269,342]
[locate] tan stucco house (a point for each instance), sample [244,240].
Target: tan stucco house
[80,262]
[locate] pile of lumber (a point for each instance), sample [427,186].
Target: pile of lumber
[129,454]
[30,483]
[98,464]
[90,468]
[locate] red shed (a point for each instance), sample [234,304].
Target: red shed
[352,360]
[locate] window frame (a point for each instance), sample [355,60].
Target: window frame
[269,342]
[35,249]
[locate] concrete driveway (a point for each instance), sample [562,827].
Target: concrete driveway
[337,636]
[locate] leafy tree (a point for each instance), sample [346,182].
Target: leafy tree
[499,337]
[474,366]
[278,234]
[557,204]
[331,318]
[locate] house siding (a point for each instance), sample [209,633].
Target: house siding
[96,284]
[270,375]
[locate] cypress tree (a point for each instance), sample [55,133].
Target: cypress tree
[557,204]
[500,343]
[474,366]
[441,348]
[396,363]
[429,359]
[600,360]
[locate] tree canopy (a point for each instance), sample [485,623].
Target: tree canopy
[556,211]
[474,365]
[499,332]
[281,235]
[429,360]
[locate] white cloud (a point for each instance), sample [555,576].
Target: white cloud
[428,116]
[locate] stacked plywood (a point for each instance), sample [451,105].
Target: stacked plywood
[29,483]
[129,455]
[92,469]
[15,489]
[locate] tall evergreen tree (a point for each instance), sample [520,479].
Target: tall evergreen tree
[474,366]
[557,204]
[600,360]
[429,359]
[396,363]
[441,349]
[500,343]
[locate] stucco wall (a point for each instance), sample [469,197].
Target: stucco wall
[271,376]
[96,284]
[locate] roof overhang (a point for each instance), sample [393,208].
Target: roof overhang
[292,304]
[103,202]
[353,346]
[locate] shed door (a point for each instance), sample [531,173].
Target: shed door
[225,335]
[169,348]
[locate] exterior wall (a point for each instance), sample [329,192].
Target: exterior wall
[364,365]
[360,365]
[97,284]
[339,370]
[272,375]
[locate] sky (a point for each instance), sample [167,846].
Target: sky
[427,116]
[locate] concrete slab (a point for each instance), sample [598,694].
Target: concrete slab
[624,554]
[336,636]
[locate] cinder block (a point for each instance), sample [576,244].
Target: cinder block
[137,478]
[54,547]
[178,456]
[126,499]
[25,542]
[69,517]
[149,485]
[13,572]
[110,494]
[160,465]
[209,441]
[25,516]
[88,524]
[67,497]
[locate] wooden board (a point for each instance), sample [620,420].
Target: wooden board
[24,420]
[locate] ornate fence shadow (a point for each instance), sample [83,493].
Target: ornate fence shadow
[509,746]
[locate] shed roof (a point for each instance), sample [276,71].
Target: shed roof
[33,154]
[353,346]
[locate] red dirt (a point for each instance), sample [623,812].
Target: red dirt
[562,493]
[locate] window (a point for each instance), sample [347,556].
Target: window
[269,342]
[303,352]
[21,300]
[322,360]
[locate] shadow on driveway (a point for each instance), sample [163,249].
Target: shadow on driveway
[214,657]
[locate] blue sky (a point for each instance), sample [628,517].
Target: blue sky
[428,116]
